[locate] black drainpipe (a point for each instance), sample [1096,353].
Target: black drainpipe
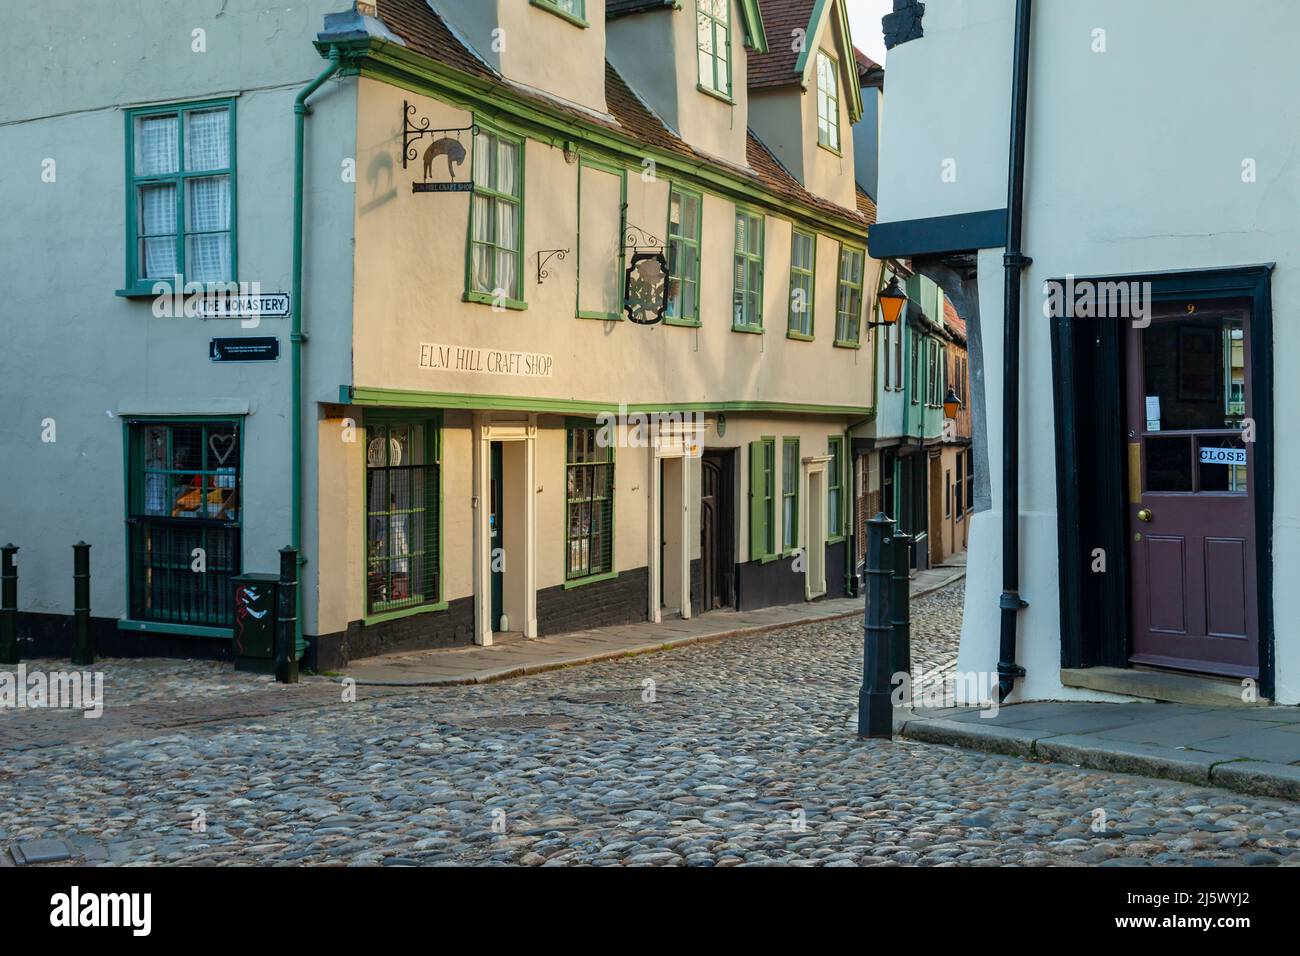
[1014,263]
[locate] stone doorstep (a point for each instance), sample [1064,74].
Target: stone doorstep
[1255,777]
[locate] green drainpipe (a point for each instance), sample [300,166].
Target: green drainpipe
[296,335]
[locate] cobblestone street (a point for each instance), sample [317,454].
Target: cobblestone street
[735,752]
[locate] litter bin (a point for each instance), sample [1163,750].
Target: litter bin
[255,617]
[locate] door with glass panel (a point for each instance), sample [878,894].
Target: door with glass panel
[1192,490]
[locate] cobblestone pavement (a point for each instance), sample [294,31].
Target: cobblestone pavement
[735,752]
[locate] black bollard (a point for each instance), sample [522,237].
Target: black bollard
[9,604]
[900,649]
[286,623]
[875,709]
[83,654]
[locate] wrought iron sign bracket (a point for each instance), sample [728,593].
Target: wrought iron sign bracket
[454,150]
[543,257]
[635,238]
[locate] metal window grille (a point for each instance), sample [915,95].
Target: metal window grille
[183,521]
[589,500]
[403,564]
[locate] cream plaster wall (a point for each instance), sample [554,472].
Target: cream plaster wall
[410,276]
[534,47]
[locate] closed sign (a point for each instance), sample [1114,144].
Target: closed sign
[1223,456]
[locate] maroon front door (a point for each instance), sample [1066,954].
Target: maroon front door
[1191,490]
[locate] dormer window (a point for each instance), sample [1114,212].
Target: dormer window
[828,102]
[713,38]
[574,11]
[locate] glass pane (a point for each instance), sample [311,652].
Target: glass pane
[207,258]
[1195,375]
[507,220]
[207,140]
[1169,464]
[484,147]
[157,145]
[507,279]
[508,168]
[1222,461]
[690,216]
[207,204]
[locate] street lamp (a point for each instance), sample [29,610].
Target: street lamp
[892,298]
[951,404]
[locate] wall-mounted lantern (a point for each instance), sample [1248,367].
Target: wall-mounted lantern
[951,404]
[891,300]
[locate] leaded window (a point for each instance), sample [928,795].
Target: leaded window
[835,486]
[683,257]
[181,194]
[848,307]
[803,267]
[713,40]
[747,296]
[790,494]
[828,102]
[589,504]
[184,515]
[496,228]
[403,478]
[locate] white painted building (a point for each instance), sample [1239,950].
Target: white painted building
[1157,534]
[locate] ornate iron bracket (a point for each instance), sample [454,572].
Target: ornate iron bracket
[634,237]
[412,132]
[543,257]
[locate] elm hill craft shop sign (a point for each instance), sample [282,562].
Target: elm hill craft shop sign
[451,148]
[469,358]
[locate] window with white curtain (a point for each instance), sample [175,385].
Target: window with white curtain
[181,216]
[495,234]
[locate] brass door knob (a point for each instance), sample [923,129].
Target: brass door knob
[1144,514]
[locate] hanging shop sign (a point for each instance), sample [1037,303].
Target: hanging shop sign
[488,361]
[245,349]
[445,157]
[645,292]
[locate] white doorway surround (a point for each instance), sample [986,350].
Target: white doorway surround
[520,496]
[814,522]
[675,445]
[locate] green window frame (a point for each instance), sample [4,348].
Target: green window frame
[684,231]
[835,488]
[848,301]
[494,259]
[588,504]
[181,210]
[803,284]
[713,44]
[747,290]
[789,495]
[914,356]
[575,11]
[403,490]
[828,101]
[184,491]
[762,500]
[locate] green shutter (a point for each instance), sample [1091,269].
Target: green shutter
[757,503]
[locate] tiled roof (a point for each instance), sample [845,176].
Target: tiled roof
[866,205]
[425,32]
[622,8]
[781,18]
[870,73]
[956,324]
